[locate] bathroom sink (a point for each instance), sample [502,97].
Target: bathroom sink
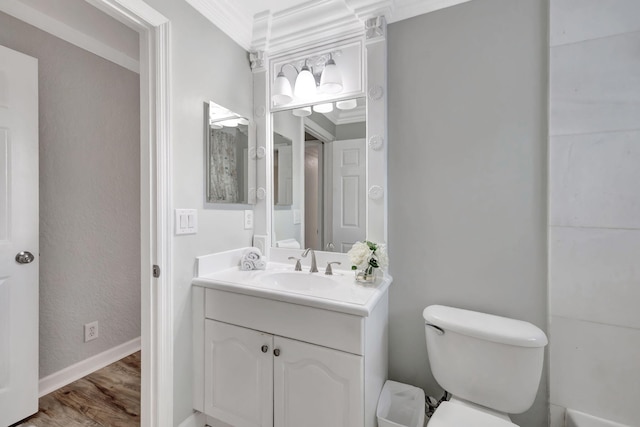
[297,281]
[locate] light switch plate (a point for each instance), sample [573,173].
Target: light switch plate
[186,221]
[297,216]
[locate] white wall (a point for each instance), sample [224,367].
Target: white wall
[467,173]
[594,224]
[205,65]
[89,196]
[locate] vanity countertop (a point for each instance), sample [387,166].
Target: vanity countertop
[338,292]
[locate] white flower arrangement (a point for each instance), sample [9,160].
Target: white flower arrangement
[367,256]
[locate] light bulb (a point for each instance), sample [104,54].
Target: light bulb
[281,90]
[331,80]
[231,123]
[323,108]
[349,104]
[302,112]
[305,87]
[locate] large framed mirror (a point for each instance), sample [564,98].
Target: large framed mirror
[230,155]
[319,176]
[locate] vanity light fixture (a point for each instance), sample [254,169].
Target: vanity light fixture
[282,93]
[305,87]
[323,108]
[302,112]
[214,125]
[231,123]
[307,82]
[331,80]
[348,104]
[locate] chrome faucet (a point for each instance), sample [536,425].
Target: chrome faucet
[314,265]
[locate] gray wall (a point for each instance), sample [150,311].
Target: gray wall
[351,131]
[467,173]
[89,196]
[206,65]
[594,212]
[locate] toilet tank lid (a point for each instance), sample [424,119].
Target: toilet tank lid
[485,326]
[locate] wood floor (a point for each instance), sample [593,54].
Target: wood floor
[109,397]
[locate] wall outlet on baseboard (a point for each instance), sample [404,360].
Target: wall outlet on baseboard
[90,331]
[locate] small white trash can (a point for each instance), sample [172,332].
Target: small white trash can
[400,405]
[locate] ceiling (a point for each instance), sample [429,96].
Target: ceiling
[277,25]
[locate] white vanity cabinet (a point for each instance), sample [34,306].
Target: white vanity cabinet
[261,362]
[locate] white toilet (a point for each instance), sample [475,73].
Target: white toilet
[491,365]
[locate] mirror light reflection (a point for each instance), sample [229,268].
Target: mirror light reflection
[319,176]
[227,156]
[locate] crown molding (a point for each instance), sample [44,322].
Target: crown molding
[307,23]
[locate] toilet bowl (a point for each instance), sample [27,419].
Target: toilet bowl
[491,365]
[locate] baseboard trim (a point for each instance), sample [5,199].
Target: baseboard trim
[195,420]
[83,368]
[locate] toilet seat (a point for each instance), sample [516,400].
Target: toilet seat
[451,414]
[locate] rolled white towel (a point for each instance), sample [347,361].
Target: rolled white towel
[259,265]
[252,254]
[247,265]
[288,243]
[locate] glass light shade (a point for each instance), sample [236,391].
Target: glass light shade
[302,112]
[231,123]
[281,90]
[305,87]
[349,104]
[331,80]
[323,108]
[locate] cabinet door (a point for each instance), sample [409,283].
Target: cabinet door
[238,375]
[316,387]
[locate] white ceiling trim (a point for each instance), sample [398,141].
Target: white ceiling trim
[308,22]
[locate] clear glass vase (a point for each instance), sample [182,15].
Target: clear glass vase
[366,275]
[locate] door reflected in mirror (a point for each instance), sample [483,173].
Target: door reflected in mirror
[229,165]
[319,177]
[282,170]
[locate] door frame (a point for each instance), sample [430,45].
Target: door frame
[155,205]
[155,191]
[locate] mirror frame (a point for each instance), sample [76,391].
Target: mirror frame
[375,83]
[251,166]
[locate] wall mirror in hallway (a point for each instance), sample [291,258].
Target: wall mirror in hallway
[319,176]
[230,158]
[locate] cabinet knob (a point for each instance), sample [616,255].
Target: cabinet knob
[265,348]
[276,352]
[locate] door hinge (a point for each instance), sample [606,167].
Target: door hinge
[156,271]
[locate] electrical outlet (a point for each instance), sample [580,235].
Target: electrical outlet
[248,219]
[90,331]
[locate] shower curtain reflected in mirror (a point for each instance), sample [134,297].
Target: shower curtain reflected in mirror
[226,154]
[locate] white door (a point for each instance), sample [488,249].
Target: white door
[315,386]
[238,375]
[18,233]
[349,193]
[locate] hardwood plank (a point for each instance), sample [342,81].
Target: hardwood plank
[109,397]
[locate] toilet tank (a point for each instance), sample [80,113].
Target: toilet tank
[489,360]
